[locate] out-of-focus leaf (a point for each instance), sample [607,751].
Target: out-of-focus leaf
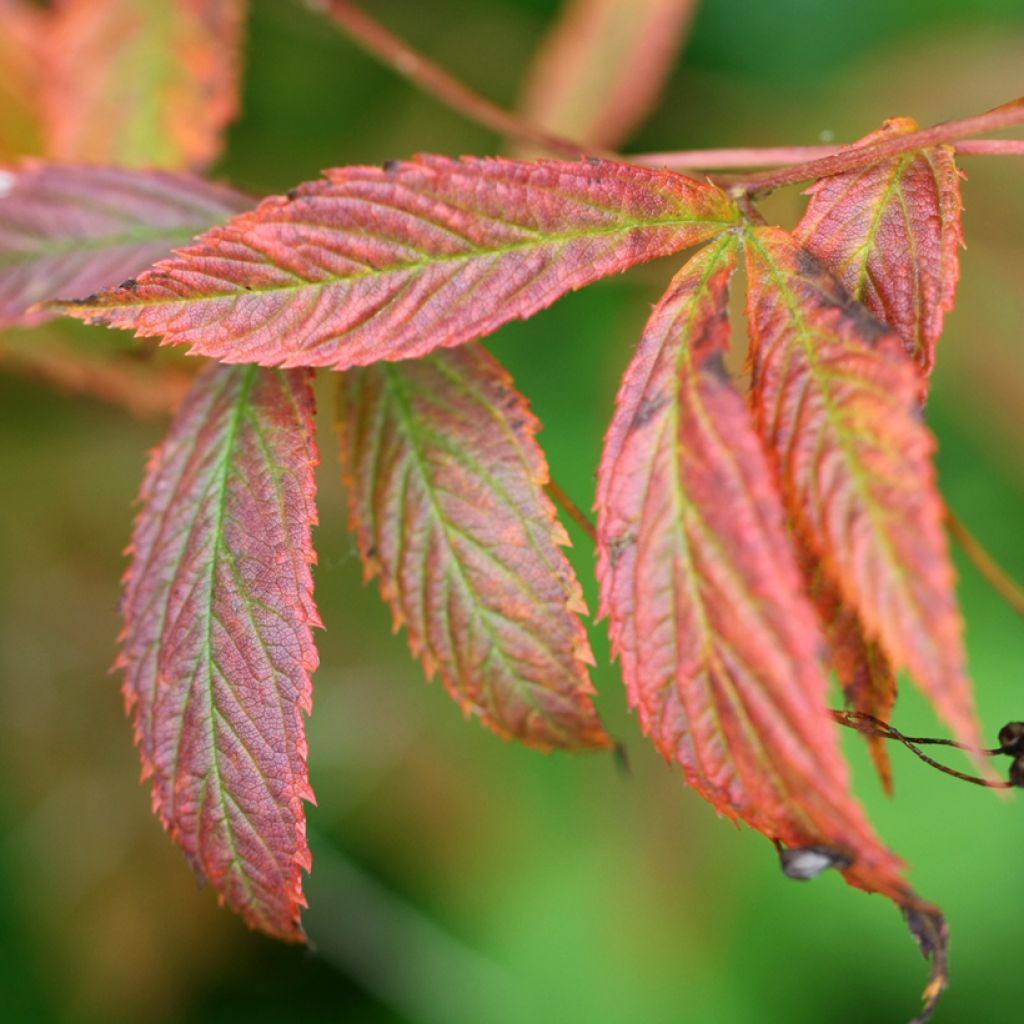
[21,35]
[930,931]
[835,397]
[891,232]
[217,642]
[68,229]
[142,82]
[446,491]
[389,263]
[719,645]
[602,67]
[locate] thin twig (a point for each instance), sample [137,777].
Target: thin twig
[872,726]
[775,156]
[575,513]
[142,390]
[1009,115]
[434,80]
[998,578]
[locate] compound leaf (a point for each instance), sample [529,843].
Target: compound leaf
[835,398]
[217,642]
[67,229]
[142,82]
[389,263]
[445,482]
[719,645]
[891,232]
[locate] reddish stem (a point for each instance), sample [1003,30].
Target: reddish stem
[434,80]
[1009,115]
[770,156]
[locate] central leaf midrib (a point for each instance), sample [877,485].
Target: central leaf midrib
[476,253]
[408,423]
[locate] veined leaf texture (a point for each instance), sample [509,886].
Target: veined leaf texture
[217,645]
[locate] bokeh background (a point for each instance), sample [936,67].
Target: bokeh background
[459,880]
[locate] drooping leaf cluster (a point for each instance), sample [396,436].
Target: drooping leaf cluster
[750,539]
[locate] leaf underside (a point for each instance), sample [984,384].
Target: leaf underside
[445,482]
[68,229]
[142,82]
[217,642]
[891,232]
[389,263]
[718,643]
[835,397]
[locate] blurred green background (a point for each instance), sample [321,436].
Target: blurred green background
[458,880]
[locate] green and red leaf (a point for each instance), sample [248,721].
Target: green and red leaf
[891,232]
[446,492]
[390,263]
[142,82]
[70,229]
[217,641]
[719,644]
[835,397]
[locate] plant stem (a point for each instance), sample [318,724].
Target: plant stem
[434,80]
[1009,115]
[872,726]
[575,513]
[998,578]
[144,391]
[771,156]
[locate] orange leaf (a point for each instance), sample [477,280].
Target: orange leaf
[891,232]
[719,645]
[835,398]
[142,82]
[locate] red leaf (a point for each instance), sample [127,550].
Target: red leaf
[601,69]
[835,397]
[445,482]
[719,644]
[142,82]
[217,642]
[891,232]
[66,230]
[863,670]
[391,263]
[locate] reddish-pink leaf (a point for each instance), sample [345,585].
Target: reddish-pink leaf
[602,67]
[217,642]
[446,491]
[863,670]
[891,232]
[719,645]
[66,229]
[388,263]
[835,397]
[142,82]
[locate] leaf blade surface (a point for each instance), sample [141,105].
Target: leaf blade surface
[836,400]
[217,644]
[142,83]
[445,482]
[891,232]
[389,263]
[70,229]
[719,645]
